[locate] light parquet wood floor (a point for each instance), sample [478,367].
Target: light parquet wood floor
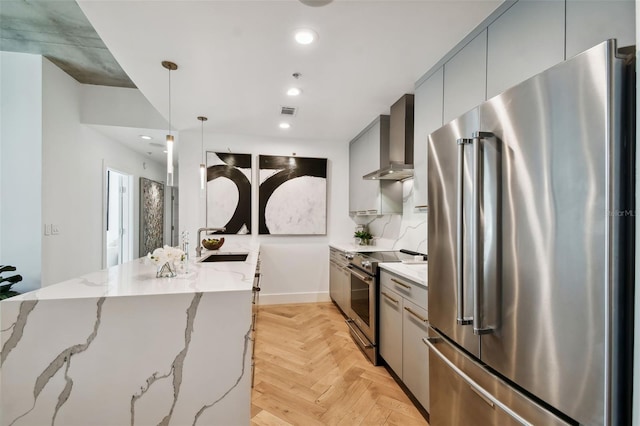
[309,372]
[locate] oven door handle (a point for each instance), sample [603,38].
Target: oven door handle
[355,333]
[360,276]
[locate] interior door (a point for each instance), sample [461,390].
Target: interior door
[118,218]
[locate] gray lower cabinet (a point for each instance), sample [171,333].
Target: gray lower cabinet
[391,329]
[339,280]
[403,325]
[415,356]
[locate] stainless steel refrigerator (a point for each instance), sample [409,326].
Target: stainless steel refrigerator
[531,250]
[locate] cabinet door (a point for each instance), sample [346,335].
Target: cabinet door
[427,118]
[527,39]
[592,22]
[415,356]
[391,329]
[363,158]
[465,78]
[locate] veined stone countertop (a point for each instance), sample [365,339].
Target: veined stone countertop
[138,278]
[416,272]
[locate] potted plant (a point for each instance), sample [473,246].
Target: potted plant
[363,237]
[6,283]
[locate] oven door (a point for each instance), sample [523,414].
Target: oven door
[363,311]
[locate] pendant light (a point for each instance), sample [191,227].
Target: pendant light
[203,167]
[171,67]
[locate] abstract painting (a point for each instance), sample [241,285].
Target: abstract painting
[293,195]
[229,192]
[151,215]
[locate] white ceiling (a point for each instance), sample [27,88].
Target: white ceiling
[236,58]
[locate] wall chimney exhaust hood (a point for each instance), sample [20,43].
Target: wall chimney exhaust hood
[396,153]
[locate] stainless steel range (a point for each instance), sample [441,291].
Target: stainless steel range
[363,315]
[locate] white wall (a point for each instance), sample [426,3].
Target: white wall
[294,268]
[118,106]
[20,165]
[73,180]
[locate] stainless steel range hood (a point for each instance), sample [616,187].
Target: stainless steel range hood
[396,156]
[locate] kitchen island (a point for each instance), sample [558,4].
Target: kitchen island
[122,347]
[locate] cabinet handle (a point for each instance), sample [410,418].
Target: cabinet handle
[400,283]
[389,297]
[416,315]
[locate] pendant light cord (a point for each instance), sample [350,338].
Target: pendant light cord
[202,140]
[169,101]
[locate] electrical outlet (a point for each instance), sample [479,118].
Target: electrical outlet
[55,230]
[47,229]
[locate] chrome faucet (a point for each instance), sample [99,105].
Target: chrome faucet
[199,242]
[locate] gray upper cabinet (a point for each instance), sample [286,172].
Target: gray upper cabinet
[427,118]
[465,78]
[371,197]
[526,40]
[592,22]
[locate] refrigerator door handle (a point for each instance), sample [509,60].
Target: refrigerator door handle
[460,318]
[478,284]
[482,392]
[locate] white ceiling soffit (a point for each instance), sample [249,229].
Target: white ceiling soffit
[236,58]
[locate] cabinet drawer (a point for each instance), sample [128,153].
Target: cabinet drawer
[338,257]
[410,290]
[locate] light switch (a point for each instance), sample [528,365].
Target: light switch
[47,229]
[55,230]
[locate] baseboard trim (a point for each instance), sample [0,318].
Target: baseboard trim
[285,298]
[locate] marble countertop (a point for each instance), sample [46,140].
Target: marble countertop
[138,278]
[416,272]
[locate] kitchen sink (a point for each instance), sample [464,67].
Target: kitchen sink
[225,257]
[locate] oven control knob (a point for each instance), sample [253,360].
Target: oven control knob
[366,264]
[348,256]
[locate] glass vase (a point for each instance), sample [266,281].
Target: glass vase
[166,270]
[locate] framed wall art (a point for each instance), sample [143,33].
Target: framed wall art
[151,216]
[292,197]
[229,192]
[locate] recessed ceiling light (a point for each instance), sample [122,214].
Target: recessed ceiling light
[305,36]
[294,91]
[145,137]
[285,125]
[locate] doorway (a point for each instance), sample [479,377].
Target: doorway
[119,218]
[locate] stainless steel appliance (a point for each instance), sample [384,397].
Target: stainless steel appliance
[531,224]
[365,283]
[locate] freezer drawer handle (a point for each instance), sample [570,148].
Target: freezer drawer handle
[460,318]
[478,284]
[430,342]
